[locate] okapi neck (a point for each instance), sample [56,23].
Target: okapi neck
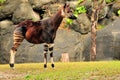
[57,19]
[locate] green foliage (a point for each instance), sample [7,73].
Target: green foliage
[78,10]
[79,1]
[27,77]
[118,12]
[99,27]
[2,1]
[69,21]
[108,1]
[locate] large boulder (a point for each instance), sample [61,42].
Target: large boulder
[69,41]
[108,43]
[7,9]
[6,29]
[17,10]
[82,24]
[24,11]
[40,3]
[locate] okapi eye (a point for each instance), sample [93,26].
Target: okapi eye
[68,5]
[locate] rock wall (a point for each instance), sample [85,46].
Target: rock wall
[108,43]
[75,42]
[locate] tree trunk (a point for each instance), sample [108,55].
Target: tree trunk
[96,6]
[94,20]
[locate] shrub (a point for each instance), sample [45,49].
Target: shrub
[2,1]
[118,12]
[78,10]
[108,1]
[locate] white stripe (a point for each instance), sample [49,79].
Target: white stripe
[12,56]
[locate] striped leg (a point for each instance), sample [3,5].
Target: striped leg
[51,46]
[18,38]
[45,55]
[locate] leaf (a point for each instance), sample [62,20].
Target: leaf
[81,9]
[69,21]
[118,12]
[2,1]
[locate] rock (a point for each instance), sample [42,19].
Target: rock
[105,21]
[82,24]
[8,8]
[73,4]
[51,9]
[23,12]
[108,43]
[68,42]
[6,28]
[116,7]
[40,3]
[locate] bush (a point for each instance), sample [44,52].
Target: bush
[108,1]
[118,12]
[2,1]
[78,10]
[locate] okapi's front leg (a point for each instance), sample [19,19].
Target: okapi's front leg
[12,57]
[45,55]
[18,38]
[51,46]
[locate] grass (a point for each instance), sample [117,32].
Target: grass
[99,70]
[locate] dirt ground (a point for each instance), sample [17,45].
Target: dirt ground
[12,75]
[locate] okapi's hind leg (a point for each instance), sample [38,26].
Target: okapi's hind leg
[45,55]
[51,46]
[18,38]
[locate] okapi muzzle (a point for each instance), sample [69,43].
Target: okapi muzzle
[72,16]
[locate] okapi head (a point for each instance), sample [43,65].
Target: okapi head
[67,12]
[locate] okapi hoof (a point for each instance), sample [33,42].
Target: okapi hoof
[53,66]
[11,66]
[45,66]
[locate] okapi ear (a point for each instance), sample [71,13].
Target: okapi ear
[68,5]
[65,5]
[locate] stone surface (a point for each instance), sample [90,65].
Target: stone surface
[40,3]
[8,8]
[6,28]
[82,24]
[108,43]
[116,6]
[23,12]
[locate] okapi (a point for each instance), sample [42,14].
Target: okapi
[43,31]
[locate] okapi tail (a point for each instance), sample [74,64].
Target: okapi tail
[22,27]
